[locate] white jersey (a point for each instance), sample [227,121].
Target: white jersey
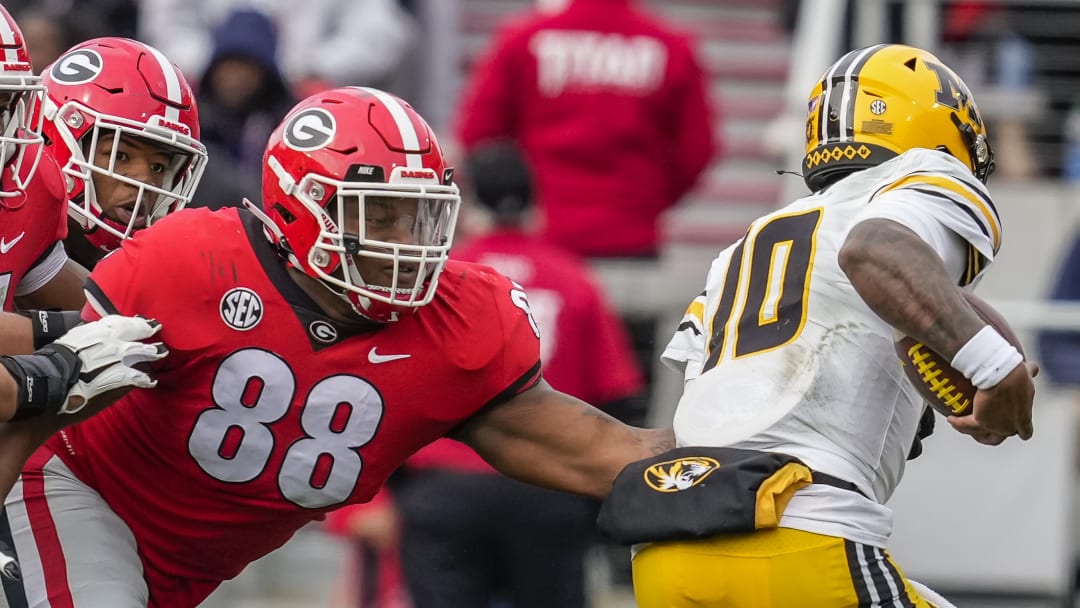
[781,354]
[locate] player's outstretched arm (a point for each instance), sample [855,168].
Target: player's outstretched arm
[551,439]
[905,282]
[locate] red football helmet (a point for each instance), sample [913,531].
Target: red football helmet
[20,111]
[344,169]
[108,88]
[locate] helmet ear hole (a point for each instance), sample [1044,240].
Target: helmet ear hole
[285,213]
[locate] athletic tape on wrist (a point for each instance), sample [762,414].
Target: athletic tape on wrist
[986,358]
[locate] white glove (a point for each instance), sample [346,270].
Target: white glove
[108,349]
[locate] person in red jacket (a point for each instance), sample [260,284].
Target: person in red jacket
[610,106]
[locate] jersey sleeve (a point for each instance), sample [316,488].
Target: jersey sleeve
[687,350]
[115,286]
[156,274]
[954,251]
[942,190]
[44,269]
[503,343]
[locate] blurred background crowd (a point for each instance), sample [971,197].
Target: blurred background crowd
[631,141]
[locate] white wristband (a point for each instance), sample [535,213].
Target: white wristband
[986,358]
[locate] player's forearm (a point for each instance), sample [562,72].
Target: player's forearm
[550,439]
[586,461]
[16,334]
[905,282]
[604,451]
[590,460]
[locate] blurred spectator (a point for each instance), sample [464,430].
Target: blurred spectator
[242,96]
[88,18]
[1060,350]
[470,535]
[322,42]
[47,35]
[979,40]
[610,106]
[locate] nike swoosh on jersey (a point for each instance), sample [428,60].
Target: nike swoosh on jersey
[375,357]
[5,246]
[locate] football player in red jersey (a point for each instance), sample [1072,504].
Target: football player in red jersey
[130,111]
[122,123]
[314,346]
[34,268]
[35,271]
[33,264]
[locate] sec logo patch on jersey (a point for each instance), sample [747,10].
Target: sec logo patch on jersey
[241,308]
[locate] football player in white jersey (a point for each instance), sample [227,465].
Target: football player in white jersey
[789,349]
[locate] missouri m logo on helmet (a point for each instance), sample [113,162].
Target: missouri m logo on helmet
[77,67]
[309,130]
[878,102]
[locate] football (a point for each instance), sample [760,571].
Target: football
[938,382]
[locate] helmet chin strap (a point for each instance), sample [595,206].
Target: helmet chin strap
[357,279]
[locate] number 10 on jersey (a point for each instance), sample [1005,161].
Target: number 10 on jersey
[769,304]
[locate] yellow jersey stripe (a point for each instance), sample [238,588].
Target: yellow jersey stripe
[955,187]
[697,310]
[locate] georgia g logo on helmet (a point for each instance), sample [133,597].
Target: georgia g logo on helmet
[309,130]
[77,67]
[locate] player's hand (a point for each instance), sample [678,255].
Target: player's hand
[107,351]
[1002,410]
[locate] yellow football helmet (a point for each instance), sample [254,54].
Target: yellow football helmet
[878,102]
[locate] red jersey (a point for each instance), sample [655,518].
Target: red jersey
[267,413]
[585,349]
[610,107]
[31,224]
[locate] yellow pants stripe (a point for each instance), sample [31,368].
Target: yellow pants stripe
[780,568]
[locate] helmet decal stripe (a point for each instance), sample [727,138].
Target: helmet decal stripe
[851,87]
[828,130]
[409,138]
[172,85]
[847,68]
[8,38]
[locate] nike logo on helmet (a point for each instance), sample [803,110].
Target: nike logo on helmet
[375,357]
